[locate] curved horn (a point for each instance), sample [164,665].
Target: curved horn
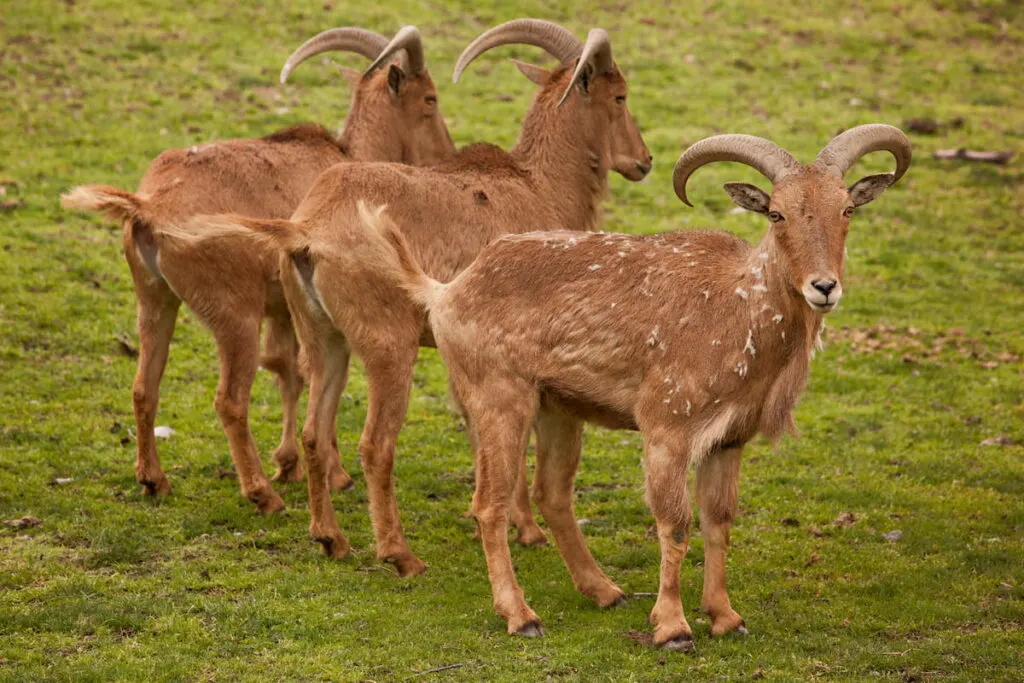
[550,37]
[773,162]
[597,53]
[846,148]
[408,38]
[347,39]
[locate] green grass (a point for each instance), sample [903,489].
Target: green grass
[923,363]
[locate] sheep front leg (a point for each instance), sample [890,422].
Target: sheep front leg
[281,357]
[389,376]
[238,343]
[717,480]
[665,480]
[328,375]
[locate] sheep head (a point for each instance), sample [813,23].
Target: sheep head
[586,93]
[809,206]
[394,115]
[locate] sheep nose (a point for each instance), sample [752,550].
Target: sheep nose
[644,168]
[824,286]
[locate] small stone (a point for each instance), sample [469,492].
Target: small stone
[893,535]
[162,432]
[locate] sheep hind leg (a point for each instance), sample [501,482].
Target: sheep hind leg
[559,442]
[717,479]
[389,377]
[238,343]
[502,429]
[157,309]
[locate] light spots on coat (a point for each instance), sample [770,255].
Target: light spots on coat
[777,318]
[596,266]
[742,293]
[750,344]
[759,288]
[741,368]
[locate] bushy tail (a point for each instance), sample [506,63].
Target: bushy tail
[119,205]
[392,255]
[265,233]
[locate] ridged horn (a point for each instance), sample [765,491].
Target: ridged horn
[408,38]
[346,39]
[557,41]
[846,148]
[596,53]
[773,162]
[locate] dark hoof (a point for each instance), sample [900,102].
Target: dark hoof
[621,602]
[335,548]
[681,643]
[531,538]
[531,629]
[156,487]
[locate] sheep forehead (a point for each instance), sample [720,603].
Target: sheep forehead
[808,191]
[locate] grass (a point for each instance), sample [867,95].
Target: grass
[922,365]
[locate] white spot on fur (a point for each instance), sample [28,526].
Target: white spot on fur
[742,293]
[653,339]
[763,256]
[758,272]
[614,304]
[777,318]
[741,368]
[596,266]
[622,254]
[716,342]
[759,288]
[688,407]
[707,294]
[750,344]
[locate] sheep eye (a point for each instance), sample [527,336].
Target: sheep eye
[848,211]
[621,99]
[774,216]
[430,99]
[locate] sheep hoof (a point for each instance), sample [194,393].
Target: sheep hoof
[407,565]
[267,500]
[681,643]
[156,487]
[531,629]
[335,548]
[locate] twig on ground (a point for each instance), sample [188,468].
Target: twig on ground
[996,157]
[434,671]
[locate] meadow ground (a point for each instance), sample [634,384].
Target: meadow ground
[922,365]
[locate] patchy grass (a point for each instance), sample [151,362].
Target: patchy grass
[923,365]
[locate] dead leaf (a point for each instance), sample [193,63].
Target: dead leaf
[845,519]
[23,522]
[815,531]
[638,637]
[758,674]
[125,346]
[813,559]
[998,441]
[9,204]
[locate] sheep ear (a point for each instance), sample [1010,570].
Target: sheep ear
[396,79]
[350,75]
[869,187]
[749,197]
[536,74]
[583,80]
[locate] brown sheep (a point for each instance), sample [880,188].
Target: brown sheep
[576,131]
[393,117]
[696,339]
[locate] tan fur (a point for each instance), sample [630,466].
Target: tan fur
[555,177]
[695,338]
[232,283]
